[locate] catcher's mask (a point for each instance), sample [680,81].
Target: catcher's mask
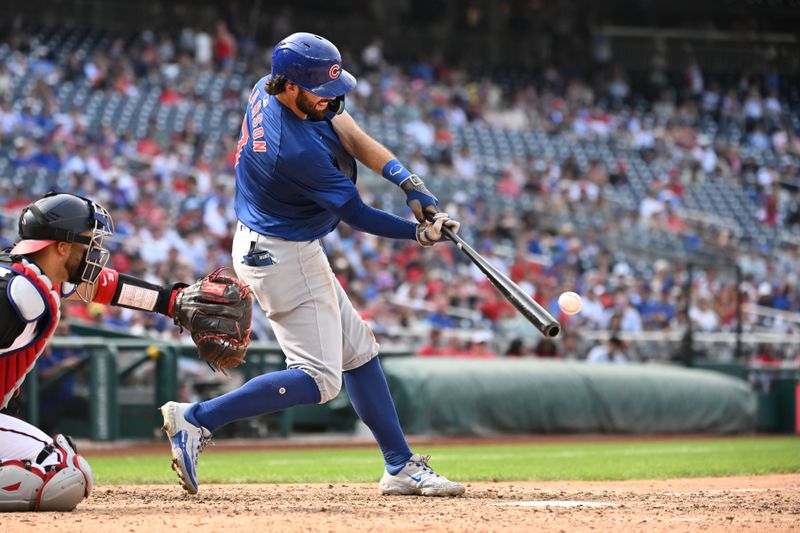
[64,217]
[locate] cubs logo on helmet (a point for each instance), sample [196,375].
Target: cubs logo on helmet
[313,63]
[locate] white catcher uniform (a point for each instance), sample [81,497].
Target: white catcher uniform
[37,473]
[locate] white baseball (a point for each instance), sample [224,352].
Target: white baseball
[570,303]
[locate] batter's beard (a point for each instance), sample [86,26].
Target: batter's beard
[305,105]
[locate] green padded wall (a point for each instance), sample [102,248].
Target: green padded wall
[482,397]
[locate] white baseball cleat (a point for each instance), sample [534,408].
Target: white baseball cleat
[187,441]
[419,478]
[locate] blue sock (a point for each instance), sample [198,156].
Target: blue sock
[259,396]
[369,394]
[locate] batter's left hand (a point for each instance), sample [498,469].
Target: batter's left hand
[429,233]
[421,201]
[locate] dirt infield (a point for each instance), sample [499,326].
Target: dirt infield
[765,503]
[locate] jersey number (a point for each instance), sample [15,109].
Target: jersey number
[258,133]
[242,141]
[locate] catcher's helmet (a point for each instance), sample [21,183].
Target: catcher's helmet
[59,217]
[63,217]
[313,63]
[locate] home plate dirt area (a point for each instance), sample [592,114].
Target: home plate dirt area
[763,503]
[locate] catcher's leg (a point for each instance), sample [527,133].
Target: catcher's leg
[20,440]
[38,473]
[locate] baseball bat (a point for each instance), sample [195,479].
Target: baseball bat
[535,313]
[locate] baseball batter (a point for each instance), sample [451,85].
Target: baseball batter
[295,181]
[60,254]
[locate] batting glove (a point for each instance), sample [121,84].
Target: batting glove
[421,201]
[336,106]
[429,233]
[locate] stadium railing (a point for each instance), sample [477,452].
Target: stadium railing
[107,369]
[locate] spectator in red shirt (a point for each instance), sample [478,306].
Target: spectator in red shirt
[170,95]
[147,145]
[672,220]
[224,46]
[675,186]
[18,201]
[478,346]
[434,346]
[508,186]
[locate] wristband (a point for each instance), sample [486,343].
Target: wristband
[166,298]
[172,295]
[395,172]
[106,285]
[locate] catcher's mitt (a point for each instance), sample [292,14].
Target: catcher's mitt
[218,311]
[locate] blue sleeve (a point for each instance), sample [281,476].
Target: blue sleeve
[319,180]
[370,220]
[316,177]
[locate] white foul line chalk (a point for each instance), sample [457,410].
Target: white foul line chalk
[554,503]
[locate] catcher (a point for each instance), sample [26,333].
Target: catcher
[60,254]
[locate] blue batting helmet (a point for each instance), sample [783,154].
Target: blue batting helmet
[313,63]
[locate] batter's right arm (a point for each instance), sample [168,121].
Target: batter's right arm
[359,144]
[316,176]
[379,159]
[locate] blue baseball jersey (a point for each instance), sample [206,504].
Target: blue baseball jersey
[290,172]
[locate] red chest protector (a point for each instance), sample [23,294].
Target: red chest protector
[18,361]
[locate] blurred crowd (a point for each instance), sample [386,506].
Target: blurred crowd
[170,192]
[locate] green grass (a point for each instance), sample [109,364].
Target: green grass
[585,461]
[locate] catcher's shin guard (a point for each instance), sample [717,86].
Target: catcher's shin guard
[71,480]
[19,485]
[26,486]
